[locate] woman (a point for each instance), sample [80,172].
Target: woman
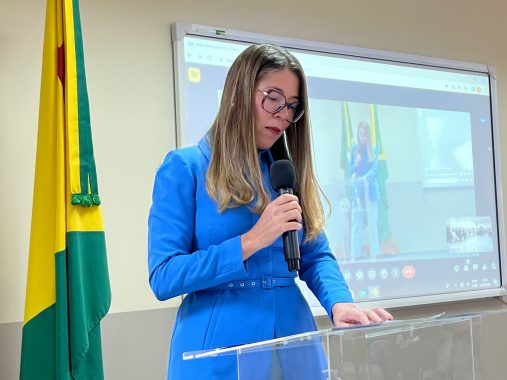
[215,224]
[365,193]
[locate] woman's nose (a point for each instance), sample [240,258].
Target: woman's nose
[282,114]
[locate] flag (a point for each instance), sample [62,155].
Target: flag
[68,290]
[384,229]
[346,142]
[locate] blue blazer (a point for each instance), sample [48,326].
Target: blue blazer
[194,249]
[366,173]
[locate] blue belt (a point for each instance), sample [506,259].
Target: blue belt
[265,282]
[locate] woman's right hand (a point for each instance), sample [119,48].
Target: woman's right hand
[281,215]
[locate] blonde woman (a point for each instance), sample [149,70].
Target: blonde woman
[215,227]
[365,194]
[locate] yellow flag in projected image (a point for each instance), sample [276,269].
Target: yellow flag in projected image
[68,290]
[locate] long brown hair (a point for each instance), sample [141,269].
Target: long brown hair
[234,175]
[365,126]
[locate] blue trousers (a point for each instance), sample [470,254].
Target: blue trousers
[366,214]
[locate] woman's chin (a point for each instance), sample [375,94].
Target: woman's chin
[264,144]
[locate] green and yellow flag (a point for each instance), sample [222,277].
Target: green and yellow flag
[384,229]
[346,139]
[68,289]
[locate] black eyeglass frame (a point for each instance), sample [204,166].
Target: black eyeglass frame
[281,106]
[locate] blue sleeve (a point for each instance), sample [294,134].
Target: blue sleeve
[322,274]
[352,168]
[174,267]
[372,173]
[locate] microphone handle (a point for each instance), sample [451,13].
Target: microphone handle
[291,250]
[290,243]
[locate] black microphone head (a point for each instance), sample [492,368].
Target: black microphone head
[282,175]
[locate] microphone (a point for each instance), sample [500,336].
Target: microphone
[283,178]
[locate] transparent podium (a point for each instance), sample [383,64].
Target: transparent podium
[436,348]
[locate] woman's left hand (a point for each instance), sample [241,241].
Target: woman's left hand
[348,314]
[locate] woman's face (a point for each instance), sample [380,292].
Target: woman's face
[363,136]
[269,127]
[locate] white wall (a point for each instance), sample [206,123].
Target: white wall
[130,84]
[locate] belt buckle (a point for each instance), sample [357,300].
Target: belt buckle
[267,282]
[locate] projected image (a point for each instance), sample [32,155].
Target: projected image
[469,235]
[446,145]
[376,180]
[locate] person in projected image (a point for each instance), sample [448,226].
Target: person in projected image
[364,195]
[215,226]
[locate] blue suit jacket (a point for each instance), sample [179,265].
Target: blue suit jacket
[193,248]
[365,174]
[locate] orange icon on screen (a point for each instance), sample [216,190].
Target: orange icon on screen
[408,271]
[194,74]
[478,89]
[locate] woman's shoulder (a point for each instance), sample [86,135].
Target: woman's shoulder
[190,155]
[187,154]
[190,158]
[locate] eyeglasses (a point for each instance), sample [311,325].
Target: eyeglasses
[274,102]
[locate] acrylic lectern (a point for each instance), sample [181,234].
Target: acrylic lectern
[436,348]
